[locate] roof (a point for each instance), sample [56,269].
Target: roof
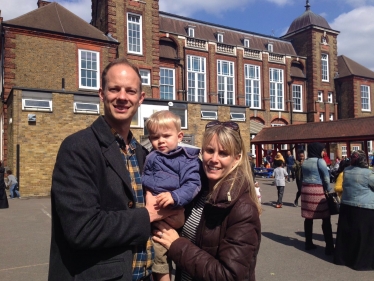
[308,18]
[337,131]
[175,24]
[348,67]
[55,18]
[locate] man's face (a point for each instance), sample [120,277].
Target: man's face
[122,95]
[301,157]
[288,153]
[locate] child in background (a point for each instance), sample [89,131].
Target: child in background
[171,173]
[280,175]
[258,191]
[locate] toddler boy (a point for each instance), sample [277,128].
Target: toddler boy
[171,172]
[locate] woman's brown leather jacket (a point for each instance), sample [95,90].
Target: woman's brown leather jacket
[227,239]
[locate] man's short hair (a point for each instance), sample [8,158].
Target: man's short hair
[117,62]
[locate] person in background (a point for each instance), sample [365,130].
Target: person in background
[279,156]
[280,175]
[258,191]
[299,176]
[290,161]
[171,173]
[316,181]
[3,197]
[221,237]
[354,238]
[339,180]
[101,220]
[13,185]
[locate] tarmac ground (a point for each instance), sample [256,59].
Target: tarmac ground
[26,228]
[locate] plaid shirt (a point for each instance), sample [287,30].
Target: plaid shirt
[143,254]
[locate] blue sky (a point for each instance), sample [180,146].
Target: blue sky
[353,18]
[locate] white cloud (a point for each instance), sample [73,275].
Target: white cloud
[356,35]
[11,9]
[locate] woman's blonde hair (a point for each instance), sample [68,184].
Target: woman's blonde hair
[162,119]
[234,145]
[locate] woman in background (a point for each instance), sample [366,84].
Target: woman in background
[355,235]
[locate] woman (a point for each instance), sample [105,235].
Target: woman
[3,199]
[339,177]
[354,239]
[316,181]
[222,231]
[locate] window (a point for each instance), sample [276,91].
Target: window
[36,104]
[252,85]
[320,96]
[331,116]
[276,89]
[220,37]
[167,84]
[253,147]
[196,75]
[284,147]
[237,116]
[225,71]
[90,108]
[297,97]
[355,148]
[134,34]
[191,32]
[321,117]
[344,151]
[145,74]
[246,43]
[181,112]
[365,98]
[277,125]
[89,71]
[329,97]
[325,67]
[270,47]
[209,115]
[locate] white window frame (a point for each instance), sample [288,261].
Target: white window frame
[365,96]
[145,75]
[184,120]
[344,150]
[331,117]
[94,73]
[320,96]
[321,117]
[210,115]
[276,87]
[370,146]
[219,37]
[76,108]
[191,32]
[270,47]
[325,67]
[297,101]
[329,97]
[355,148]
[196,69]
[252,85]
[34,106]
[284,146]
[253,147]
[277,125]
[237,116]
[170,70]
[138,38]
[246,43]
[225,77]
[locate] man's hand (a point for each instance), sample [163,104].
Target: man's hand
[155,212]
[164,199]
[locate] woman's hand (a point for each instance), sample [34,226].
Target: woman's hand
[164,234]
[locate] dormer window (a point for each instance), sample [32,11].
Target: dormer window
[220,37]
[191,31]
[270,47]
[246,43]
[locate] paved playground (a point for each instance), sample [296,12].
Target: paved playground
[26,226]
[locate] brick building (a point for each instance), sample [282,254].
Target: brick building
[51,61]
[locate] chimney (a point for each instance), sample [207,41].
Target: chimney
[42,3]
[1,18]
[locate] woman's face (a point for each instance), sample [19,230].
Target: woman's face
[216,161]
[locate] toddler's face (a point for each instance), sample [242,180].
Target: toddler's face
[165,139]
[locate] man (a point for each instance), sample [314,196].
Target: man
[100,224]
[299,176]
[290,160]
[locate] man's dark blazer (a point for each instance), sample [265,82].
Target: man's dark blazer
[94,220]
